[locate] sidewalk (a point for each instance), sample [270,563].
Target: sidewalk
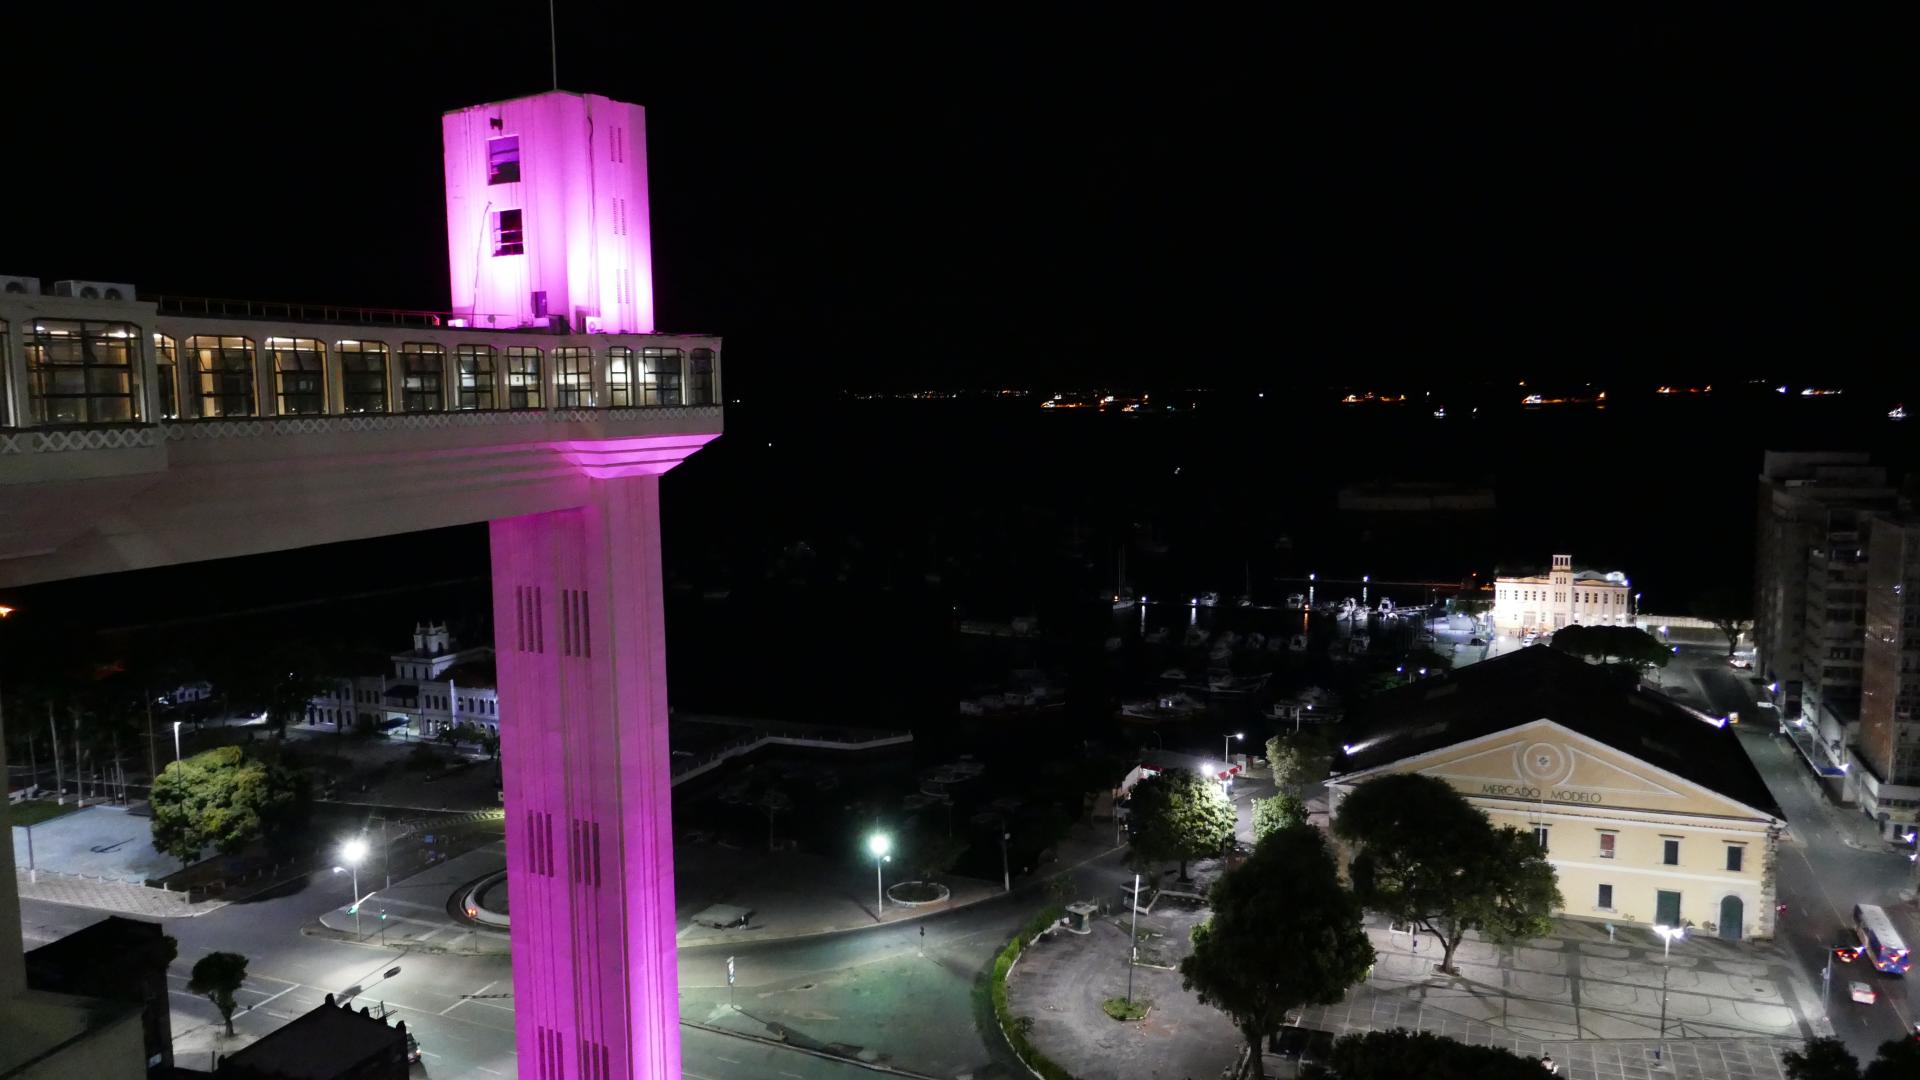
[122,897]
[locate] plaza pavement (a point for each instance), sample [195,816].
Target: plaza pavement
[1593,1004]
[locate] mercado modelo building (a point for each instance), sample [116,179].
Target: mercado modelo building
[1650,811]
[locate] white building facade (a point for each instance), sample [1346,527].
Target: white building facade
[1562,597]
[435,687]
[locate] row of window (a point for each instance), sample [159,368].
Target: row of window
[1581,596]
[81,372]
[1669,848]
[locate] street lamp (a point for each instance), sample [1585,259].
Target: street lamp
[351,853]
[176,741]
[1226,744]
[1667,934]
[879,844]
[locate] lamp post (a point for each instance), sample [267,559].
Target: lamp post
[351,853]
[176,741]
[879,844]
[1667,936]
[1226,744]
[1006,875]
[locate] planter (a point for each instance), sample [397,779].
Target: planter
[917,893]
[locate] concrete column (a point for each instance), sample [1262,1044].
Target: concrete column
[13,967]
[581,651]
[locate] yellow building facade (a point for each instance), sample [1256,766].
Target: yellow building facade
[1650,812]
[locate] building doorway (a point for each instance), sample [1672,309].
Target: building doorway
[1666,909]
[1732,914]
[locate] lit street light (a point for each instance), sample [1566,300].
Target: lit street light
[351,853]
[176,741]
[1226,744]
[878,844]
[1667,936]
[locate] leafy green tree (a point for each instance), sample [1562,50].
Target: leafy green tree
[1283,811]
[1297,760]
[1426,856]
[1823,1059]
[1283,934]
[1398,1054]
[1179,815]
[222,799]
[215,977]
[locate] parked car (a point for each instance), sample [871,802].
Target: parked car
[1739,662]
[1476,641]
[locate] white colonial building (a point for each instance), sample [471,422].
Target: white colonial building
[1562,597]
[434,687]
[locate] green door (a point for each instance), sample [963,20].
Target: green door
[1666,909]
[1732,912]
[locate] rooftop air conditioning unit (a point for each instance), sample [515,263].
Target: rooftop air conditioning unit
[93,290]
[19,286]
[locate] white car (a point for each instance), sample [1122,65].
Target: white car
[1739,662]
[1862,993]
[1764,704]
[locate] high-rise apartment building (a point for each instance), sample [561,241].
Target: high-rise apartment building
[1809,608]
[1885,777]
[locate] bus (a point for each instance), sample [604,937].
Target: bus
[1879,942]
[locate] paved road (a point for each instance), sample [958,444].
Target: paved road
[1821,875]
[888,994]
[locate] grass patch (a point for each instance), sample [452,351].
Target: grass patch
[35,811]
[1121,1009]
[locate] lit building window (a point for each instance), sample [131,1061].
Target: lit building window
[573,377]
[422,377]
[82,372]
[223,375]
[475,369]
[503,160]
[363,376]
[660,376]
[299,375]
[523,377]
[620,372]
[700,377]
[508,239]
[167,370]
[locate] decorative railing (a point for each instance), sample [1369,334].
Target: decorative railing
[56,440]
[251,428]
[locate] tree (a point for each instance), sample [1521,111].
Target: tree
[1426,856]
[1283,811]
[1823,1059]
[220,798]
[1899,1059]
[1630,645]
[1393,1055]
[1283,934]
[1179,815]
[1297,760]
[773,803]
[216,976]
[1730,612]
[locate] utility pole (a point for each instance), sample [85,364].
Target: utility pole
[1133,938]
[1006,876]
[153,767]
[59,783]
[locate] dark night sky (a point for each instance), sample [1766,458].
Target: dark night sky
[983,196]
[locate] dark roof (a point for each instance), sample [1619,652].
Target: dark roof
[328,1041]
[1539,683]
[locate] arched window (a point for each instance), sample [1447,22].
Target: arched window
[299,375]
[223,375]
[167,370]
[476,375]
[363,376]
[82,372]
[573,377]
[620,373]
[700,377]
[523,377]
[422,377]
[660,376]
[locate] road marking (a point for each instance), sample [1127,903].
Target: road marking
[728,1060]
[262,1004]
[468,998]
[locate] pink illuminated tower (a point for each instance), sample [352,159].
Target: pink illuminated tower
[547,213]
[547,216]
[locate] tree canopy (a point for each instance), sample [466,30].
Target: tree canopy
[1179,815]
[221,799]
[1427,857]
[216,976]
[1283,811]
[1729,610]
[1297,760]
[1283,933]
[1627,644]
[1828,1059]
[1398,1054]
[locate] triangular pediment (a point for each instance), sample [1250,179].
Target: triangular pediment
[1546,762]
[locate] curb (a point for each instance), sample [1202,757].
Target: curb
[870,1066]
